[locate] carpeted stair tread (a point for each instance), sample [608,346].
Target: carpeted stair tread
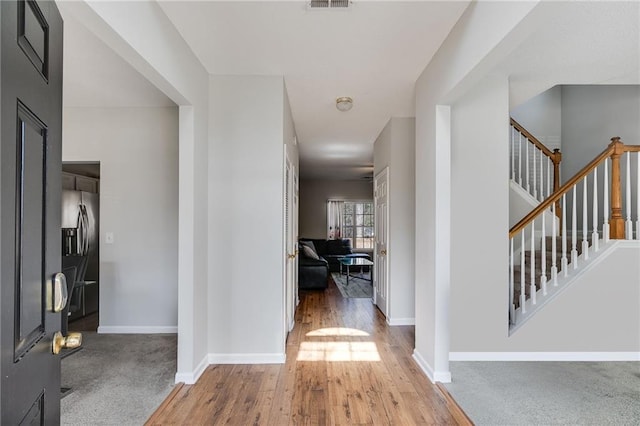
[517,269]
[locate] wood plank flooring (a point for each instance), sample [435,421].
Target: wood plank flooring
[344,366]
[88,323]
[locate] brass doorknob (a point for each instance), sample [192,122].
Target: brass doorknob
[383,252]
[72,340]
[291,256]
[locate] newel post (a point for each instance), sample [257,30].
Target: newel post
[617,221]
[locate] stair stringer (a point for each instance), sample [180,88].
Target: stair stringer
[564,282]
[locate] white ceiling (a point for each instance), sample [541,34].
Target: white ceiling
[373,52]
[577,43]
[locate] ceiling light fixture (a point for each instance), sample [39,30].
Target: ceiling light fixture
[344,103]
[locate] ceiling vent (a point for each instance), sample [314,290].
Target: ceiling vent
[329,4]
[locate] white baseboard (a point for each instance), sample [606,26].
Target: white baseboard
[189,378]
[125,329]
[401,321]
[544,356]
[277,358]
[434,376]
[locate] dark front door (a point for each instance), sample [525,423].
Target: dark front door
[30,166]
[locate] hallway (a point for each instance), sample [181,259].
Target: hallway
[344,366]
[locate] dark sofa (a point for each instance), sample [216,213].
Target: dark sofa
[332,250]
[314,273]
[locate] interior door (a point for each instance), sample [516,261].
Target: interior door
[290,245]
[30,233]
[381,267]
[294,216]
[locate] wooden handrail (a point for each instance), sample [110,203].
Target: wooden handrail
[551,154]
[614,150]
[562,190]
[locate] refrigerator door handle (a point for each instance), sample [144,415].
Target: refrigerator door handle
[80,235]
[85,230]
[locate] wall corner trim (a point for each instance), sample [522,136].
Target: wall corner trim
[401,321]
[544,356]
[190,378]
[434,376]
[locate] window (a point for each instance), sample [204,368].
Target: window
[357,223]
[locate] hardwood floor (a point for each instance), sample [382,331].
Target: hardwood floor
[88,323]
[344,366]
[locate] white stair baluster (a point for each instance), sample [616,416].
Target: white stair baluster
[520,158]
[605,211]
[535,175]
[564,262]
[543,257]
[512,308]
[542,156]
[548,177]
[554,236]
[585,241]
[638,197]
[526,166]
[532,289]
[627,201]
[513,154]
[574,231]
[523,267]
[595,237]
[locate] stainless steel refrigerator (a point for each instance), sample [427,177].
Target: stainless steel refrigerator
[80,236]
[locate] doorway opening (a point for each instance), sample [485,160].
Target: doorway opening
[81,239]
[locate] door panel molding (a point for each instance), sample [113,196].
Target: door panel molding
[29,278]
[33,36]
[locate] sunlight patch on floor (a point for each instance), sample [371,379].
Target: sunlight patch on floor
[336,331]
[338,351]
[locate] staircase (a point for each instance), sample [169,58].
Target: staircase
[551,244]
[519,273]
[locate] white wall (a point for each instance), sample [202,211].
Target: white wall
[591,116]
[143,36]
[395,148]
[542,117]
[479,213]
[588,116]
[246,158]
[313,202]
[138,153]
[599,314]
[476,44]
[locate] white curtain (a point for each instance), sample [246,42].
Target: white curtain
[335,210]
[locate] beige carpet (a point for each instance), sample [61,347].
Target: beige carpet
[547,393]
[117,379]
[357,287]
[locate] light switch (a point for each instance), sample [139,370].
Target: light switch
[108,238]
